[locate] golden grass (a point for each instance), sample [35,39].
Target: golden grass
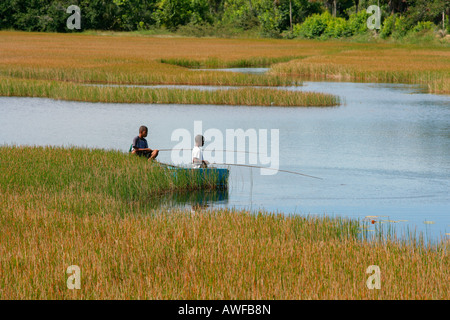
[57,210]
[428,67]
[137,60]
[179,255]
[123,59]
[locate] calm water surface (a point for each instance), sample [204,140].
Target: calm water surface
[240,70]
[384,152]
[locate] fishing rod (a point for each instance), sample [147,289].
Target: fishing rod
[250,166]
[209,150]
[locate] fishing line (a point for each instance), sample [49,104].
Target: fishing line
[250,166]
[209,150]
[268,168]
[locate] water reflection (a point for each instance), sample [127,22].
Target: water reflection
[239,70]
[194,200]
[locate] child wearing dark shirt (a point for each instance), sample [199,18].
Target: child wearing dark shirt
[140,145]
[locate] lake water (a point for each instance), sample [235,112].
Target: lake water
[239,70]
[385,152]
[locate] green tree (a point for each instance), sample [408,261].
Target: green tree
[428,10]
[134,14]
[174,13]
[99,15]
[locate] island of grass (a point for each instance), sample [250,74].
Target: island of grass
[72,206]
[113,94]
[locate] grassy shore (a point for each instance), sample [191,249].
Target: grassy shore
[98,173]
[62,207]
[241,96]
[406,64]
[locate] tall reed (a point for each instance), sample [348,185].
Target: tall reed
[243,96]
[402,65]
[72,206]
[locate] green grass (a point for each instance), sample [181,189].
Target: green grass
[244,96]
[212,63]
[105,173]
[178,75]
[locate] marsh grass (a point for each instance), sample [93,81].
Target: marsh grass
[72,206]
[217,63]
[149,74]
[122,59]
[57,170]
[54,66]
[243,96]
[132,60]
[430,68]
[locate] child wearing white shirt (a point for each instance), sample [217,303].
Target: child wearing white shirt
[197,153]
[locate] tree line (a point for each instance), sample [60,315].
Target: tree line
[271,18]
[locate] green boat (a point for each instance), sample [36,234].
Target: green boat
[219,175]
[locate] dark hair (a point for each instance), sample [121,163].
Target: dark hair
[199,139]
[142,129]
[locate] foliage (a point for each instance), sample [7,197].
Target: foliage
[423,25]
[357,22]
[271,18]
[314,26]
[388,26]
[326,26]
[401,27]
[337,28]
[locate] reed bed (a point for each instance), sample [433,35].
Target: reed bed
[72,206]
[133,60]
[216,63]
[139,60]
[108,173]
[207,255]
[144,60]
[242,96]
[151,74]
[430,68]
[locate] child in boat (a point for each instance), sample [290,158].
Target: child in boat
[197,153]
[140,145]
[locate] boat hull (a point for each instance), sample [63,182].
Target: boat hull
[218,175]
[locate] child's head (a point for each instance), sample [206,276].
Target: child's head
[199,140]
[143,130]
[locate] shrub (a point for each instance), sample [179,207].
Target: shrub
[296,29]
[314,26]
[270,21]
[388,26]
[193,29]
[357,22]
[423,25]
[337,28]
[325,26]
[401,27]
